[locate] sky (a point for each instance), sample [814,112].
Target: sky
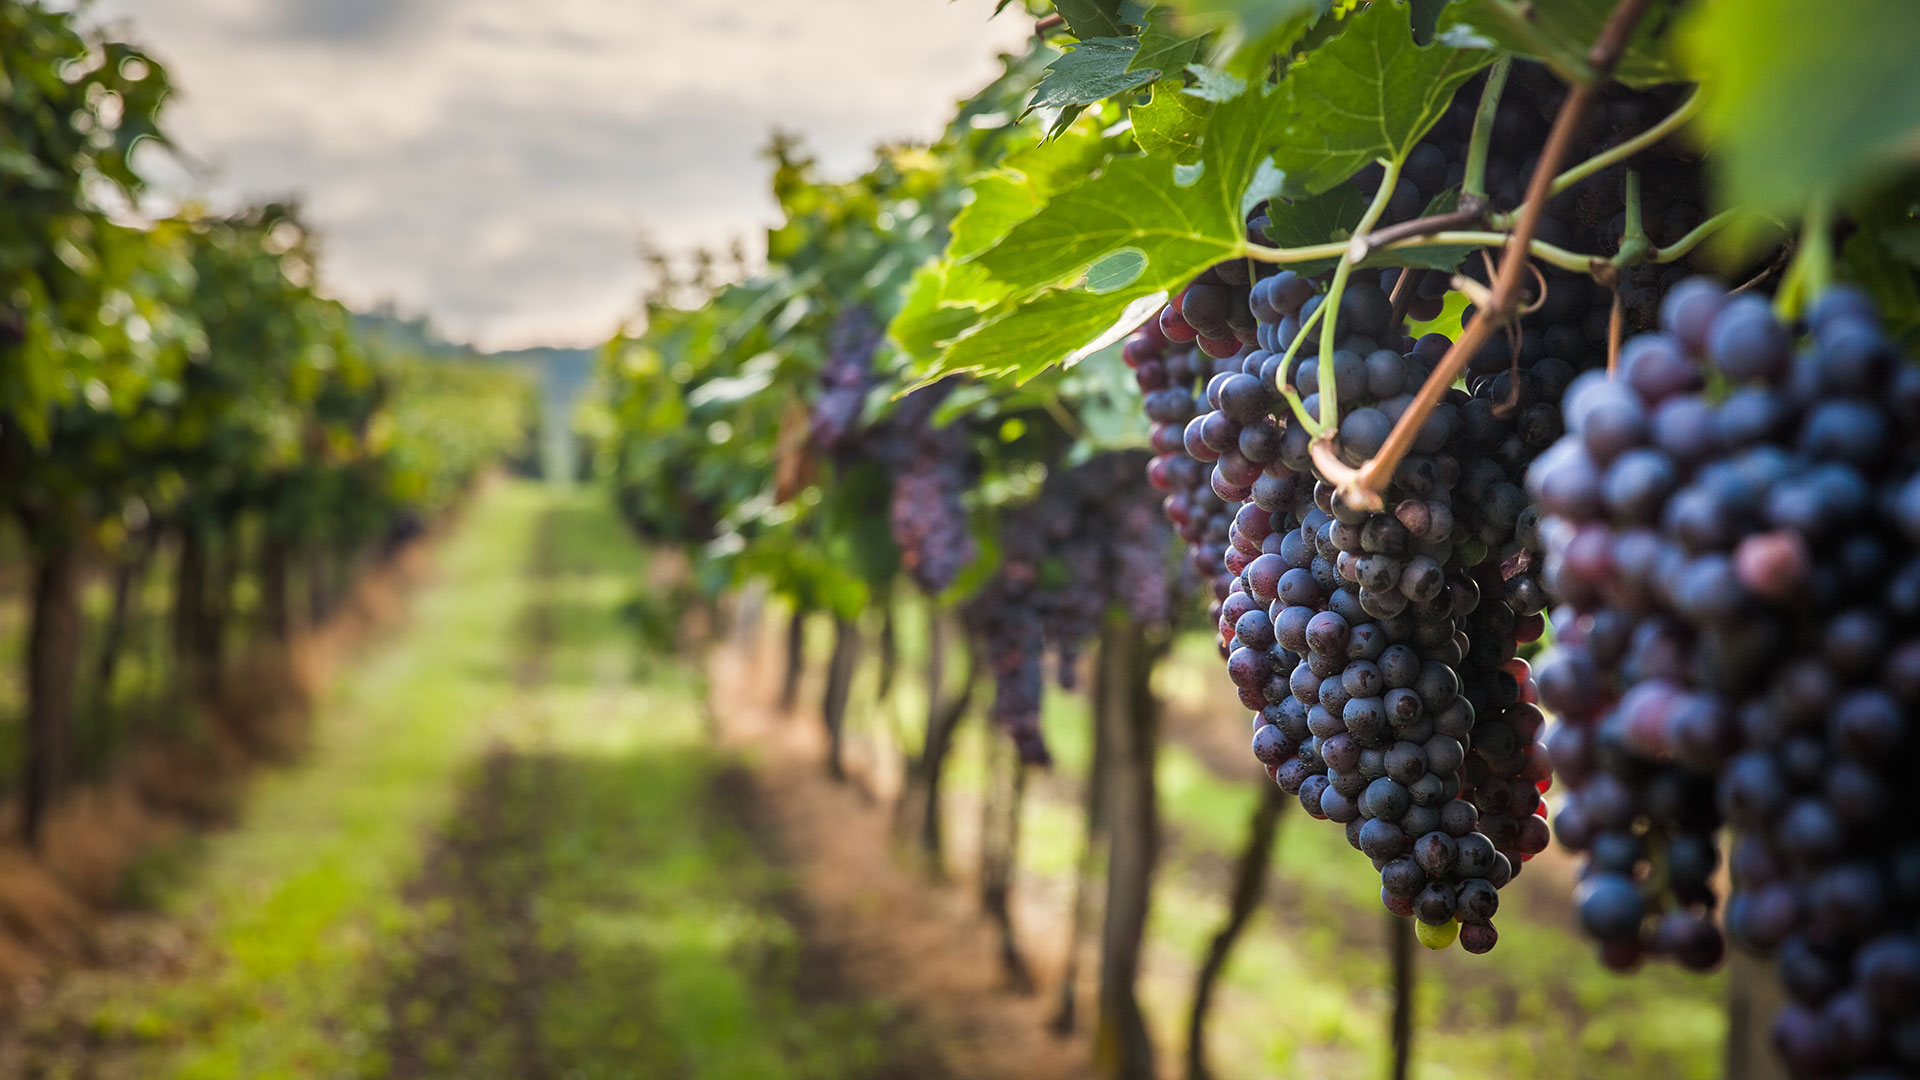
[494,164]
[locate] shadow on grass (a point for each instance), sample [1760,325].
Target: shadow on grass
[620,915]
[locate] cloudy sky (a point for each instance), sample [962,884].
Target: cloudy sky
[493,163]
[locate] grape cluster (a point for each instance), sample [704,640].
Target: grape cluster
[932,469]
[1377,648]
[1733,525]
[1091,540]
[845,378]
[1588,216]
[1170,377]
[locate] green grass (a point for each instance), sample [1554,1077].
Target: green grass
[299,905]
[661,938]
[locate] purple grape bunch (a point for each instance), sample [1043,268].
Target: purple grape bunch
[1734,527]
[1092,540]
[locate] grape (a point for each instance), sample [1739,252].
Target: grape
[1098,523]
[1187,439]
[846,378]
[932,469]
[1750,542]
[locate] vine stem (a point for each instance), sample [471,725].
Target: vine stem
[1673,122]
[1356,250]
[1634,245]
[1364,487]
[1287,390]
[1539,249]
[1679,248]
[1472,213]
[1474,184]
[1812,268]
[1399,240]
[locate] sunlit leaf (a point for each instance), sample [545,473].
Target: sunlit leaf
[1368,93]
[1169,126]
[1559,33]
[1091,70]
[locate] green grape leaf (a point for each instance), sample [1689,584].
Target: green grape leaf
[1169,126]
[1100,18]
[1064,121]
[1136,206]
[944,301]
[1026,179]
[1368,93]
[1215,85]
[1426,19]
[1138,202]
[1883,264]
[1057,327]
[1001,200]
[1091,70]
[1135,202]
[1253,30]
[1315,219]
[1163,45]
[1559,33]
[1803,98]
[1116,271]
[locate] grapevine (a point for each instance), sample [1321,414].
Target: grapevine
[1410,303]
[1519,398]
[1360,382]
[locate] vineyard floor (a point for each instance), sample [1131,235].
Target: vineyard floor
[534,839]
[514,851]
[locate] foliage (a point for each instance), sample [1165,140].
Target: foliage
[702,424]
[74,107]
[1097,176]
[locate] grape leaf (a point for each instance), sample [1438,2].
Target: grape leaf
[1426,19]
[1138,202]
[1092,70]
[1100,18]
[1134,204]
[1026,179]
[1169,126]
[1116,271]
[1804,98]
[1368,93]
[1559,32]
[1887,274]
[1163,47]
[1254,30]
[1053,328]
[945,300]
[1001,200]
[1214,84]
[1315,219]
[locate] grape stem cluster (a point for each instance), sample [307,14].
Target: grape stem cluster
[1362,487]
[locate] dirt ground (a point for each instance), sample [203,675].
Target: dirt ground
[895,934]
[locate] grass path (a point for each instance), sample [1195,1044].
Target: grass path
[505,856]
